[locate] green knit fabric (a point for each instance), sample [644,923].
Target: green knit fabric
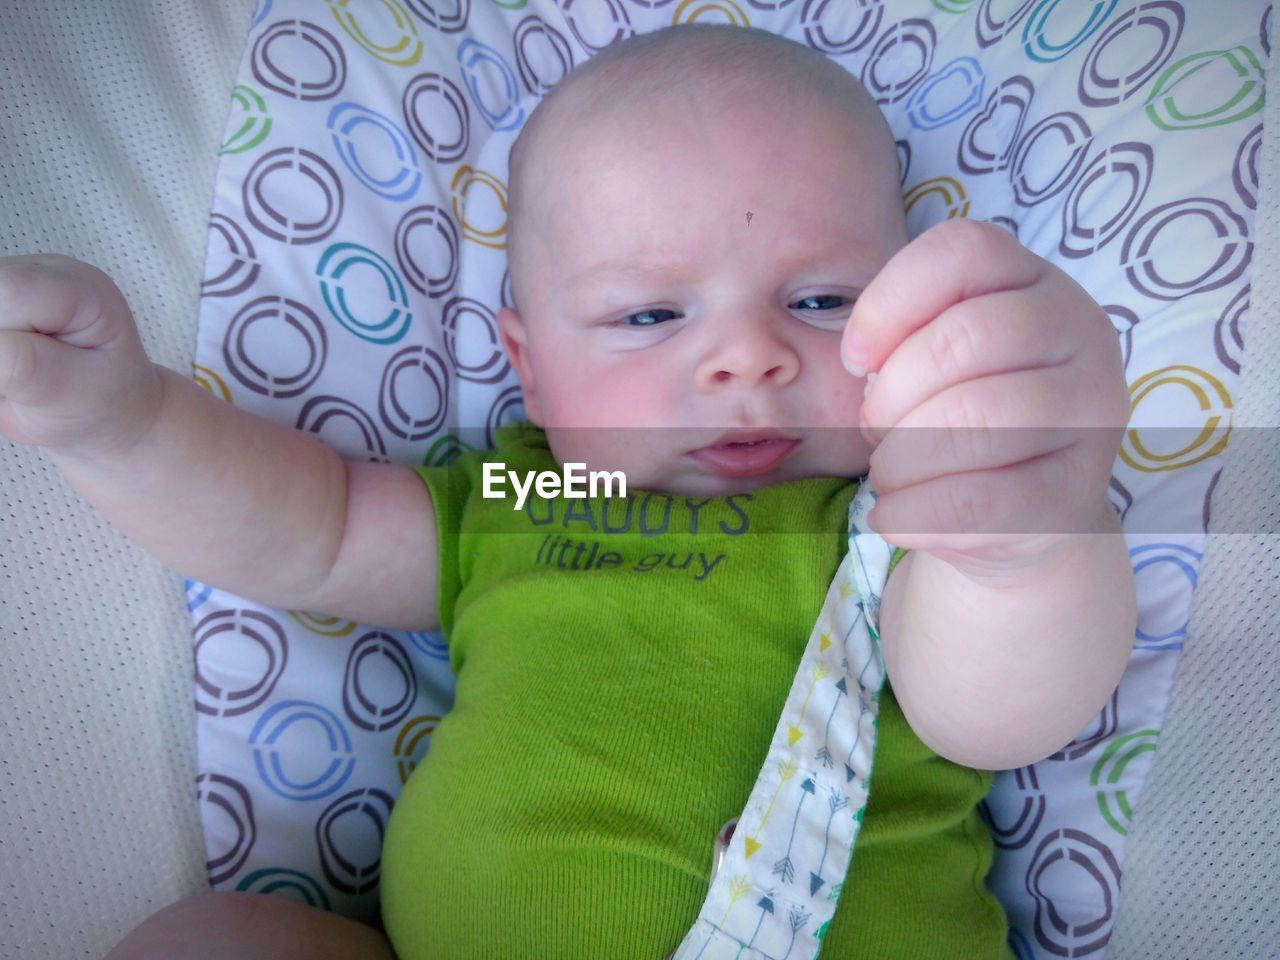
[621,667]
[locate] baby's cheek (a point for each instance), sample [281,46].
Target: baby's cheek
[625,398]
[580,398]
[837,400]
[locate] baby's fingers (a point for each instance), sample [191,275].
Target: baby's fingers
[31,365]
[996,422]
[64,298]
[954,261]
[35,369]
[980,337]
[73,375]
[984,424]
[991,516]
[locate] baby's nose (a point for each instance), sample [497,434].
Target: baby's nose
[747,355]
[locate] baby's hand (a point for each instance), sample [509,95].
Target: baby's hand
[999,400]
[73,374]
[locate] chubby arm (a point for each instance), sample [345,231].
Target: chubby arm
[218,494]
[1000,671]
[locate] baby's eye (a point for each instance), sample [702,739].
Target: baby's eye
[829,311]
[649,318]
[822,301]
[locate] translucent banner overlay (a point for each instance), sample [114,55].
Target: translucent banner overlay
[1001,481]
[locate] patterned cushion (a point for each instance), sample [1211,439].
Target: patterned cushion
[356,262]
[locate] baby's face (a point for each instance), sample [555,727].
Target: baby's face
[688,281]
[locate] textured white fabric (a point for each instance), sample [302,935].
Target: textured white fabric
[110,119]
[1202,877]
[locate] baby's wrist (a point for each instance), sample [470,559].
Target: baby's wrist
[1015,561]
[128,415]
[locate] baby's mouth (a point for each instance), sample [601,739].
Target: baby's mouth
[745,455]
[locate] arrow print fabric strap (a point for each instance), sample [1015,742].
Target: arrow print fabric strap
[775,891]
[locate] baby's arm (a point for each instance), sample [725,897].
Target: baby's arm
[997,413]
[223,496]
[999,673]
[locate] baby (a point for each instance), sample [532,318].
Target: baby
[714,295]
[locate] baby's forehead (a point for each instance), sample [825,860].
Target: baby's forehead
[692,94]
[602,111]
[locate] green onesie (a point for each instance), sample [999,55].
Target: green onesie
[621,667]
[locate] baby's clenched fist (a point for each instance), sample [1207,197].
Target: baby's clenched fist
[73,374]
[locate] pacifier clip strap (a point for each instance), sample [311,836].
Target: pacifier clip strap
[776,890]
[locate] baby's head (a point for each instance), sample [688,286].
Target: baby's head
[693,213]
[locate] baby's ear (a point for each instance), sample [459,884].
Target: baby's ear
[514,336]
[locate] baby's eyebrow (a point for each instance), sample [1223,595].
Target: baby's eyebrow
[626,268]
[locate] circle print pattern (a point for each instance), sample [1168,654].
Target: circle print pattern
[1245,174]
[1159,24]
[438,117]
[327,417]
[418,412]
[1093,863]
[447,16]
[379,687]
[594,29]
[1109,774]
[705,11]
[1226,241]
[508,407]
[1228,332]
[260,666]
[1049,156]
[1054,28]
[257,123]
[405,47]
[355,306]
[357,261]
[293,732]
[491,365]
[349,837]
[438,233]
[834,27]
[326,73]
[230,831]
[1015,823]
[411,744]
[990,29]
[476,194]
[543,55]
[900,60]
[238,268]
[275,312]
[988,141]
[492,84]
[293,884]
[350,125]
[1104,726]
[1154,449]
[312,186]
[1162,625]
[947,95]
[324,625]
[1105,198]
[1241,77]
